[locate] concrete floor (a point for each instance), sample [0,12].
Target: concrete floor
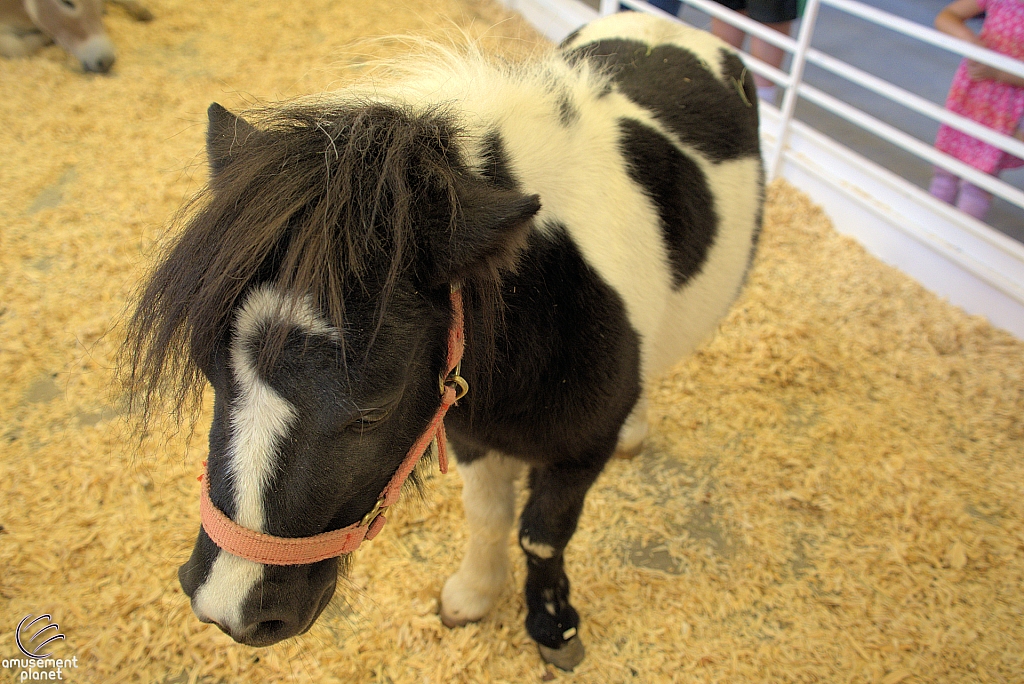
[901,60]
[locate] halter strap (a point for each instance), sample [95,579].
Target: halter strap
[270,550]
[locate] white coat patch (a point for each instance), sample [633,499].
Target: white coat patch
[488,494]
[221,596]
[259,419]
[544,551]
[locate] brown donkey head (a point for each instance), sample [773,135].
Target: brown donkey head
[77,26]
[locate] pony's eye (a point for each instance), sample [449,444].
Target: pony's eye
[70,4]
[369,420]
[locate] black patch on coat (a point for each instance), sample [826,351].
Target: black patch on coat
[686,97]
[680,192]
[194,573]
[568,114]
[566,364]
[571,37]
[759,218]
[494,164]
[565,377]
[736,72]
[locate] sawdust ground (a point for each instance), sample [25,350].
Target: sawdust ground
[833,490]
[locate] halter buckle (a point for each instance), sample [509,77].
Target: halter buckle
[455,381]
[378,509]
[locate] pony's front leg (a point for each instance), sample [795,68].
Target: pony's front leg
[633,431]
[547,523]
[488,495]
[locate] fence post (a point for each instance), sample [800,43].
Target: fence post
[796,75]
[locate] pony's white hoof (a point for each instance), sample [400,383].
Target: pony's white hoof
[565,658]
[630,452]
[632,435]
[462,603]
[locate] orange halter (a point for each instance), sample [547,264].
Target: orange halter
[270,550]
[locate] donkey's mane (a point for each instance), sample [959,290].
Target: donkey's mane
[319,198]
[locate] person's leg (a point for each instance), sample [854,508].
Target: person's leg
[777,15]
[973,200]
[944,186]
[766,52]
[727,32]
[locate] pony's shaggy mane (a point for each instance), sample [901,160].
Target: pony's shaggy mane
[321,198]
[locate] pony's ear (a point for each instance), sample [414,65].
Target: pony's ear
[490,231]
[224,136]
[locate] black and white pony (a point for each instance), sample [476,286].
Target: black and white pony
[597,211]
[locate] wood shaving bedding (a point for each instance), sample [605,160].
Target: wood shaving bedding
[832,490]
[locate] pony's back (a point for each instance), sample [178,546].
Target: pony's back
[641,138]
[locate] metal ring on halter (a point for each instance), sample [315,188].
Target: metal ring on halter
[378,509]
[457,382]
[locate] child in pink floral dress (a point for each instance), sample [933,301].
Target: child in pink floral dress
[987,95]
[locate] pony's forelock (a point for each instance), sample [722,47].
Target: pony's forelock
[321,201]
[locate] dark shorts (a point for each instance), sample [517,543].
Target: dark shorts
[764,11]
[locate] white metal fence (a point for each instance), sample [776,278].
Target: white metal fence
[803,53]
[949,252]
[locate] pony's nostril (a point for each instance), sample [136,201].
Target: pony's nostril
[271,628]
[264,633]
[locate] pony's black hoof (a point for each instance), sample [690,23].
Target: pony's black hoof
[565,658]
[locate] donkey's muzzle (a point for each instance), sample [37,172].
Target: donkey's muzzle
[96,54]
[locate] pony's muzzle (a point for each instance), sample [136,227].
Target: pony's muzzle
[283,603]
[274,615]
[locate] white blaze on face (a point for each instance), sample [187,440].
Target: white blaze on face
[259,416]
[259,419]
